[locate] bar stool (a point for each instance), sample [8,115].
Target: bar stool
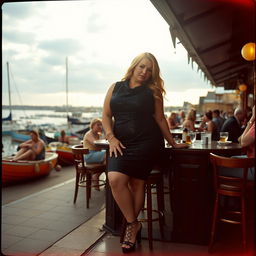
[155,180]
[85,171]
[231,187]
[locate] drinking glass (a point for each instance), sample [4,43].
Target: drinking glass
[188,139]
[192,137]
[223,136]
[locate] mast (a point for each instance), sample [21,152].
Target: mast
[9,89]
[67,87]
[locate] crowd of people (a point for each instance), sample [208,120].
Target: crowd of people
[214,122]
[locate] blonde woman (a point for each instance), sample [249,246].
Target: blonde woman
[136,138]
[96,155]
[189,122]
[171,120]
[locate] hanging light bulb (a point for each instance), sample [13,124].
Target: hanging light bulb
[248,51]
[242,87]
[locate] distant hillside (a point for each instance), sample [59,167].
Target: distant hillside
[73,109]
[55,108]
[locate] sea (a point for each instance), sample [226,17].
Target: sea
[49,119]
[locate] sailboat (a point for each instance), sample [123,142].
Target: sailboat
[81,124]
[8,124]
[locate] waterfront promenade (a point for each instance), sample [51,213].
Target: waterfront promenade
[47,223]
[36,221]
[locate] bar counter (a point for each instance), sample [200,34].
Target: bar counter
[191,191]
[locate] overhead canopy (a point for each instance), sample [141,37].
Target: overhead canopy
[213,33]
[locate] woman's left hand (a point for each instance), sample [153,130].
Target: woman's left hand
[181,145]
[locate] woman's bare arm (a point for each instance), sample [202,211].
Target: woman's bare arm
[161,121]
[115,145]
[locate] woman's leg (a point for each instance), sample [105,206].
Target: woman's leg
[124,198]
[137,187]
[20,152]
[27,155]
[122,194]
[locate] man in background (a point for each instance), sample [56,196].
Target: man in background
[233,125]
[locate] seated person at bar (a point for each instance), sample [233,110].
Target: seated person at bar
[208,125]
[171,120]
[181,117]
[95,155]
[33,149]
[233,125]
[217,119]
[247,141]
[63,138]
[189,122]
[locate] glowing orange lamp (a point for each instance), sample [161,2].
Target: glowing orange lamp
[242,87]
[248,51]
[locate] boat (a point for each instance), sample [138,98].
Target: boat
[75,122]
[20,135]
[24,135]
[64,151]
[23,170]
[8,124]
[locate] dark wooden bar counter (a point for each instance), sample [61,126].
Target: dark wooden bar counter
[191,191]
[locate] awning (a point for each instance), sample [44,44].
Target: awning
[213,33]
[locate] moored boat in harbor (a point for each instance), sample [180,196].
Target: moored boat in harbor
[23,170]
[64,151]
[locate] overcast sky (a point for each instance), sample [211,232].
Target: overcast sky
[100,39]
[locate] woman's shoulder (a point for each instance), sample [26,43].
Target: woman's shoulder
[40,141]
[87,134]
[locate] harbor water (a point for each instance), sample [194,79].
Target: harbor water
[48,120]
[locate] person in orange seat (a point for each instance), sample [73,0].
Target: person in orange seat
[33,149]
[63,137]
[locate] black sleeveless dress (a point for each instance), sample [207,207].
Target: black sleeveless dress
[136,128]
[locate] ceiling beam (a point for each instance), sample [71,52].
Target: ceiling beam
[230,69]
[168,14]
[214,47]
[188,21]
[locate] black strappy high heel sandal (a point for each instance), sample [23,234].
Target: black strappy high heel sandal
[128,234]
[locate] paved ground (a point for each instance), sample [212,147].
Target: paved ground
[34,223]
[18,191]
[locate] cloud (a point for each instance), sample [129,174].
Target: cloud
[62,45]
[16,11]
[18,37]
[100,38]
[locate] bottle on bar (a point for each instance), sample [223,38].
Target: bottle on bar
[184,135]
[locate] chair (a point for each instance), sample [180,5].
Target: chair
[229,187]
[85,171]
[154,180]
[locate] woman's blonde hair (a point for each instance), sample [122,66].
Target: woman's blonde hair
[155,83]
[95,121]
[191,115]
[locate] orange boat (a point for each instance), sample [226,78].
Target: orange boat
[22,170]
[64,151]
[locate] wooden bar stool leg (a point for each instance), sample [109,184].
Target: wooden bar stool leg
[160,205]
[88,189]
[214,222]
[76,187]
[149,216]
[243,222]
